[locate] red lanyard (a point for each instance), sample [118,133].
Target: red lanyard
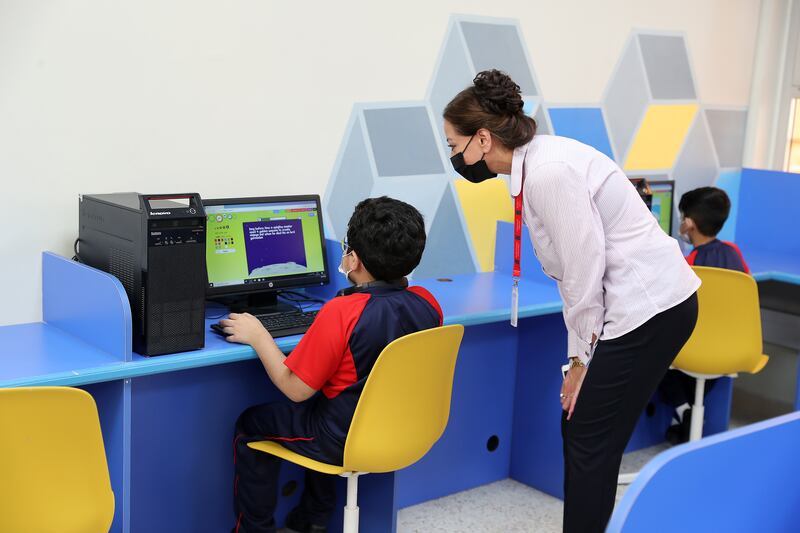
[517,254]
[517,234]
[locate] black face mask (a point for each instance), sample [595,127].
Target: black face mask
[476,172]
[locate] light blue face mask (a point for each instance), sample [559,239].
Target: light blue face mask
[683,236]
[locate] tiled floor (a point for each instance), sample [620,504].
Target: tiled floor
[502,507]
[506,506]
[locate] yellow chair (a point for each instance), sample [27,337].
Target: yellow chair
[53,470]
[727,338]
[725,341]
[392,429]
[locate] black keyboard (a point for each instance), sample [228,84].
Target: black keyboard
[282,324]
[285,324]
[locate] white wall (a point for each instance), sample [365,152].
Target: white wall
[251,97]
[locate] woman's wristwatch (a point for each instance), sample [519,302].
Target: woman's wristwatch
[575,362]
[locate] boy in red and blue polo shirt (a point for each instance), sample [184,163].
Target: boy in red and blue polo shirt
[703,213]
[385,241]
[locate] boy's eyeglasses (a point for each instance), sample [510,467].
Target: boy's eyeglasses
[345,247]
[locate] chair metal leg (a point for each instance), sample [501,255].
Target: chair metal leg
[351,507]
[698,410]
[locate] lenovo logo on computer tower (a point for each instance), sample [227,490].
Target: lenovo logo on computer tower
[155,246]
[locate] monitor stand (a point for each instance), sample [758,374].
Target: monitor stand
[260,303]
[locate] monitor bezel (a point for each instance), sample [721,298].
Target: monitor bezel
[673,207]
[283,283]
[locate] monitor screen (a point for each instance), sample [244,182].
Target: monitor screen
[661,205]
[257,244]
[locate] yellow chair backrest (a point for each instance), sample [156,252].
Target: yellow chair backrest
[727,338]
[53,470]
[405,404]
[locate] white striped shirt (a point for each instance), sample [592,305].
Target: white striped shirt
[614,265]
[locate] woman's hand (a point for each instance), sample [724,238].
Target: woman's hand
[244,328]
[571,388]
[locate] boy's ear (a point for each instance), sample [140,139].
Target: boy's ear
[356,260]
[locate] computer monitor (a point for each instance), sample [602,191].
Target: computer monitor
[662,203]
[257,246]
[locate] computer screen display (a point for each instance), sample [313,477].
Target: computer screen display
[264,243]
[661,205]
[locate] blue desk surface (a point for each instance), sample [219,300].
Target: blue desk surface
[41,354]
[774,266]
[28,349]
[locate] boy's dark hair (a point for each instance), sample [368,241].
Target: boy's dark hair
[708,207]
[388,235]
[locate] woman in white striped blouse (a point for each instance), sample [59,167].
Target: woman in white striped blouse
[629,295]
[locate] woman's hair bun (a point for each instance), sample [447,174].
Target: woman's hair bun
[497,93]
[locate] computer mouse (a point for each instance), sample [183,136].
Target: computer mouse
[217,328]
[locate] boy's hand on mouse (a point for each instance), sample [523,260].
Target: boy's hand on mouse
[244,328]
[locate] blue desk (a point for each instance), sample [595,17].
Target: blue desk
[168,421]
[469,300]
[773,266]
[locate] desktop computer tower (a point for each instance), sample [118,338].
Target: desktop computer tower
[155,246]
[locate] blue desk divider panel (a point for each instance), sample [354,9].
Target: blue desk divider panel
[765,224]
[90,309]
[729,181]
[86,303]
[768,212]
[740,481]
